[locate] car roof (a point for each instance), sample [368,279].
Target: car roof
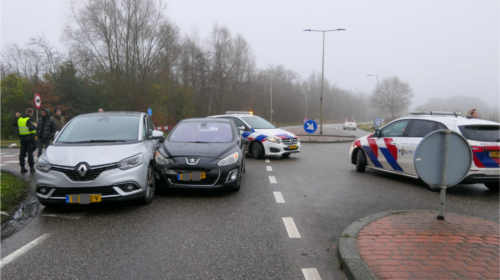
[232,115]
[205,119]
[457,120]
[113,113]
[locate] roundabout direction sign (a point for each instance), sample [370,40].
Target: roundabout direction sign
[150,112]
[443,159]
[310,127]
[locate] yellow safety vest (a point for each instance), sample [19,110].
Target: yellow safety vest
[23,128]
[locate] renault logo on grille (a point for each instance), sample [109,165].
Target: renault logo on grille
[82,169]
[192,161]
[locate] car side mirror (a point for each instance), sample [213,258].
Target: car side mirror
[156,134]
[377,132]
[241,127]
[245,141]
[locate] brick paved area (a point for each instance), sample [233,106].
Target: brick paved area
[418,246]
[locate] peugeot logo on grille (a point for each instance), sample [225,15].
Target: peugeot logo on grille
[192,161]
[82,170]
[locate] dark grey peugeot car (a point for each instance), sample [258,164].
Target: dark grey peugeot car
[202,153]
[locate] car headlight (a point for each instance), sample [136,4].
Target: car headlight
[130,162]
[230,159]
[160,159]
[43,165]
[273,139]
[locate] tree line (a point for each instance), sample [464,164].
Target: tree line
[126,55]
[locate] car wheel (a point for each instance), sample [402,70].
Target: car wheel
[237,188]
[360,161]
[285,155]
[257,150]
[493,186]
[344,128]
[150,189]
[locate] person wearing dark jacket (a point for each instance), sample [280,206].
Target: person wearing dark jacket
[27,131]
[58,119]
[46,131]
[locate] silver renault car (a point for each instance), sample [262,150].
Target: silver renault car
[99,157]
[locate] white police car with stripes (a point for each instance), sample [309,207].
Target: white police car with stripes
[392,147]
[264,137]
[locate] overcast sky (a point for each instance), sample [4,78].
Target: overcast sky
[440,47]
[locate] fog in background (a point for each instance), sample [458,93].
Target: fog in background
[447,51]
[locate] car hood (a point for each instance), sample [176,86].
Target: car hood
[276,132]
[71,155]
[213,150]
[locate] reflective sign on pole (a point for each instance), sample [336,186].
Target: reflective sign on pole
[38,101]
[150,112]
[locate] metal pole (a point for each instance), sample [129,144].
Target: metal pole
[37,116]
[271,110]
[305,116]
[444,173]
[322,78]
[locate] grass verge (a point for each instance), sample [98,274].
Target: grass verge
[13,190]
[366,127]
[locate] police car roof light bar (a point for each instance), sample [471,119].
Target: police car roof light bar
[436,113]
[238,112]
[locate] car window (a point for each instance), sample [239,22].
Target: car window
[144,129]
[395,129]
[104,128]
[202,132]
[420,128]
[349,120]
[237,121]
[441,126]
[258,122]
[483,133]
[151,125]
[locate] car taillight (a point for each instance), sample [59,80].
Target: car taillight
[478,149]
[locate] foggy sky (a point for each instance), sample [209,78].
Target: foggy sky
[441,48]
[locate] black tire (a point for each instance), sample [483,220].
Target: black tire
[286,155]
[360,161]
[493,186]
[151,187]
[257,150]
[239,181]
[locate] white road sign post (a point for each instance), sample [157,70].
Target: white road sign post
[38,104]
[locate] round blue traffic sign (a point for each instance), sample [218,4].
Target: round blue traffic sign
[310,126]
[150,112]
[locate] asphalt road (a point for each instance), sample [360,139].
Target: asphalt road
[228,235]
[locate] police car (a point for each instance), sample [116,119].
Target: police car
[392,147]
[264,137]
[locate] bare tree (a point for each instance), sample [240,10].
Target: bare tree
[392,95]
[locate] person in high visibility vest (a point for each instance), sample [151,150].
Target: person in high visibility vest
[27,134]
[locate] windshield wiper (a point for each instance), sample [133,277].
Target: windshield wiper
[97,141]
[200,142]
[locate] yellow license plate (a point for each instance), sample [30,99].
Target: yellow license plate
[293,147]
[83,198]
[180,177]
[495,154]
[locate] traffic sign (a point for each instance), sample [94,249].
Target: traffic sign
[310,126]
[38,101]
[150,112]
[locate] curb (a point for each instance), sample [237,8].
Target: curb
[350,260]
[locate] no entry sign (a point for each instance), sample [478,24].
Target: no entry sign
[38,101]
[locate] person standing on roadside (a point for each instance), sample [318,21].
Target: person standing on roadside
[27,132]
[58,119]
[100,110]
[46,131]
[472,114]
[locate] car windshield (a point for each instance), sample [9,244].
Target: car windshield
[101,129]
[483,133]
[258,122]
[202,132]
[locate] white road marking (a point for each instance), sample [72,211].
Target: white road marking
[272,179]
[23,250]
[311,274]
[9,155]
[292,230]
[279,197]
[75,216]
[267,161]
[12,161]
[269,168]
[2,164]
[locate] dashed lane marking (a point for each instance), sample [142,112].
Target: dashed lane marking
[267,160]
[279,197]
[9,155]
[23,250]
[311,274]
[269,168]
[12,161]
[2,164]
[272,179]
[292,230]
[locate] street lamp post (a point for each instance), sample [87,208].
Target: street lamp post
[374,76]
[322,76]
[272,77]
[360,99]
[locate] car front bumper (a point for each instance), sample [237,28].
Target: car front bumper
[107,184]
[271,148]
